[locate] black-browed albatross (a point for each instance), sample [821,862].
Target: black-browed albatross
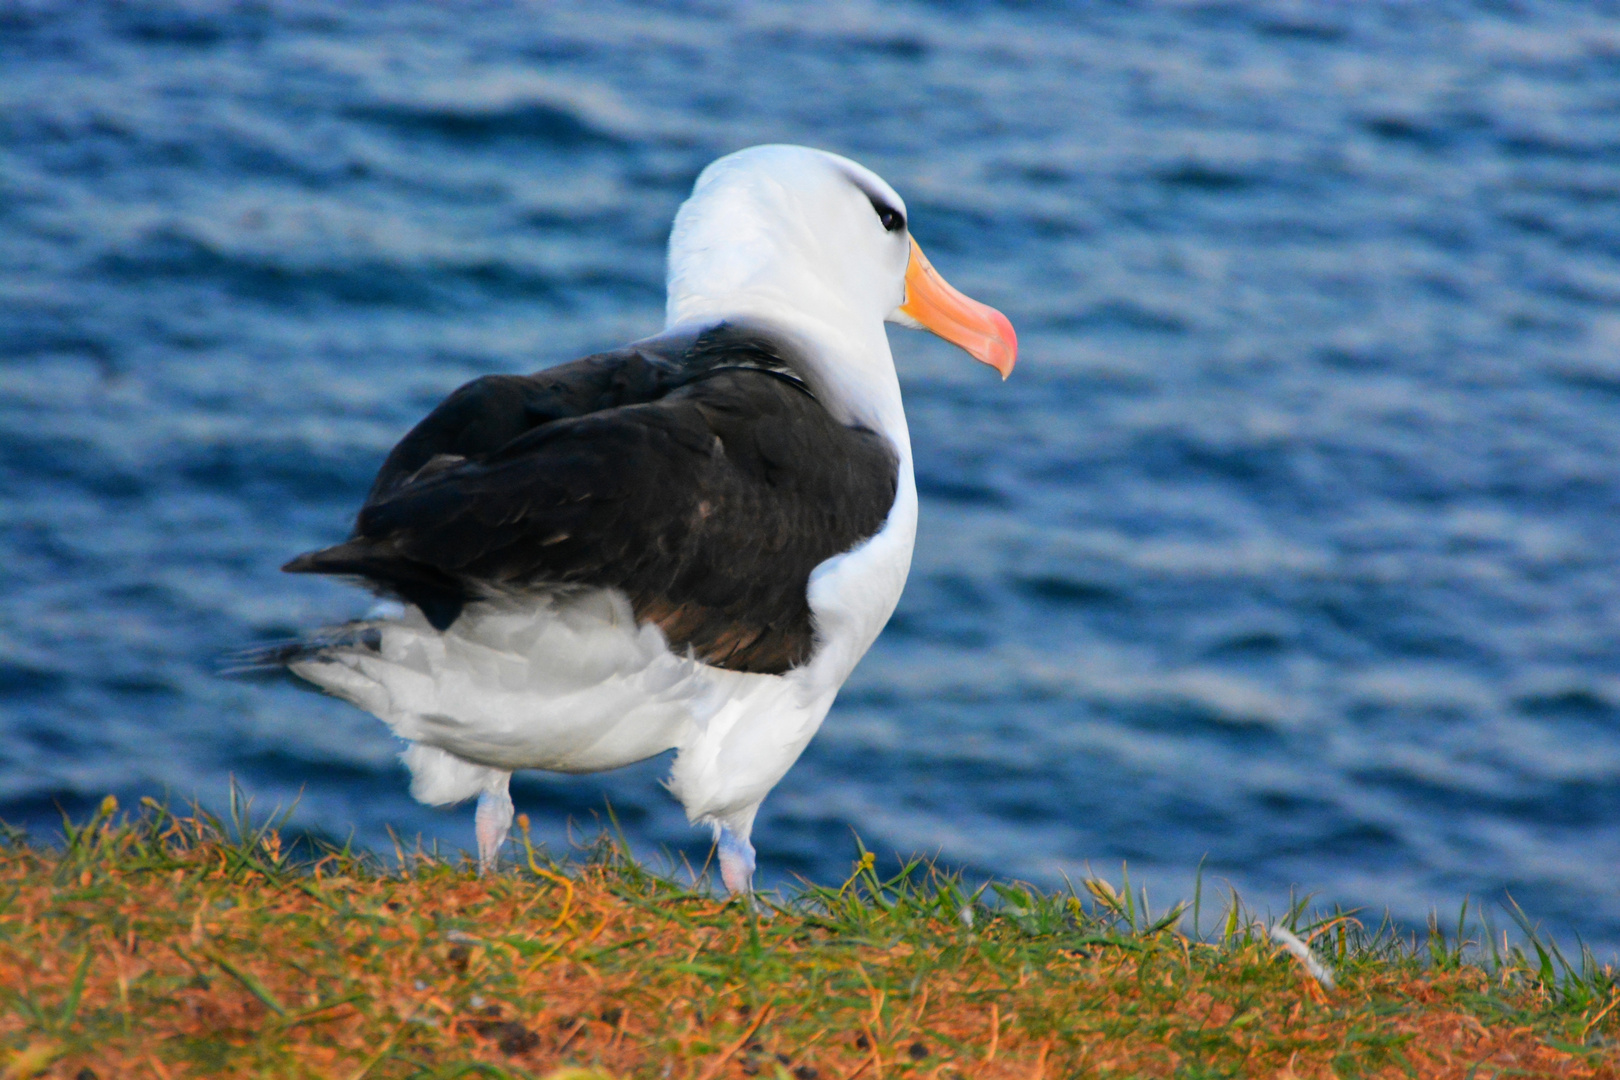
[687,543]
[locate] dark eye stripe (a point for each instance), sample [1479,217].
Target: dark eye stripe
[891,218]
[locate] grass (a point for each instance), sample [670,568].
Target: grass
[157,945]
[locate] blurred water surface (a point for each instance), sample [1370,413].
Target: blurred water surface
[1289,547]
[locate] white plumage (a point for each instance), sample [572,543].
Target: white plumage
[567,680]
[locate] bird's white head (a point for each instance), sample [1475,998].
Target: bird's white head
[798,236]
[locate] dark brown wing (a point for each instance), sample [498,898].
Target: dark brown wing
[708,505]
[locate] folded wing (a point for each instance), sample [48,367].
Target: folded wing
[705,485]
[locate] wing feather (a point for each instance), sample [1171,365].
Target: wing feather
[706,493]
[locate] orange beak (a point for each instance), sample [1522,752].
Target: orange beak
[978,328]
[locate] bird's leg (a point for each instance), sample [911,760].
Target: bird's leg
[494,818]
[736,862]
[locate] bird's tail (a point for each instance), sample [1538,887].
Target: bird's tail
[378,563]
[273,658]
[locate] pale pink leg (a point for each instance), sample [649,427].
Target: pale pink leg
[493,820]
[736,862]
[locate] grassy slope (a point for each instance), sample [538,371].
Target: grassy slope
[171,947]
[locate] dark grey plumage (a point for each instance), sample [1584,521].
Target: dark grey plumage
[697,474]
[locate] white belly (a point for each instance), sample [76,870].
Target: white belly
[570,683]
[567,683]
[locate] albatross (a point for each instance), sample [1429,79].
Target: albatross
[683,544]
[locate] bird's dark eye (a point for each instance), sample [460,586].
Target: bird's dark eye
[889,216]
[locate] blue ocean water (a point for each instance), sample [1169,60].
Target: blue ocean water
[1290,547]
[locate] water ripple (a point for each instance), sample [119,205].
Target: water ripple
[1287,548]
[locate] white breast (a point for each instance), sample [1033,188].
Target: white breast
[749,738]
[566,682]
[570,683]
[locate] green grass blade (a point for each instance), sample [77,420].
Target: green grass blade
[70,1006]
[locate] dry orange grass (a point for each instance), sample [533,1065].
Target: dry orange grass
[161,948]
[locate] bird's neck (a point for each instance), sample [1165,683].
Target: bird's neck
[851,369]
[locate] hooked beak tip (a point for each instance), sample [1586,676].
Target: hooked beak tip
[978,329]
